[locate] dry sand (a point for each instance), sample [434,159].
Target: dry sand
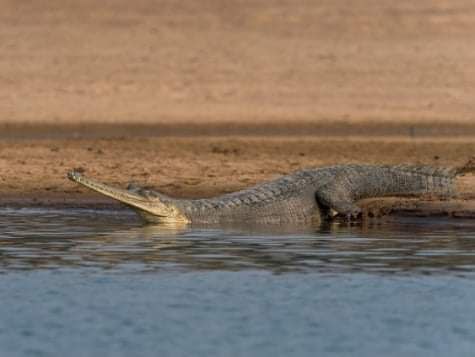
[240,60]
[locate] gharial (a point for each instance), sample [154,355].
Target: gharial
[303,196]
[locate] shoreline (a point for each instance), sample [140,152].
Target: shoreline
[33,168]
[372,208]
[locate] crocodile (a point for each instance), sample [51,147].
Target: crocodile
[309,195]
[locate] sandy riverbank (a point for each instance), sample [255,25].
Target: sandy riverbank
[34,170]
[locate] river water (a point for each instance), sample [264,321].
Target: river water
[100,283]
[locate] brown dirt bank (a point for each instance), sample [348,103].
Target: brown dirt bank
[33,171]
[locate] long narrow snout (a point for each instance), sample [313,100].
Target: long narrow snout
[124,196]
[151,209]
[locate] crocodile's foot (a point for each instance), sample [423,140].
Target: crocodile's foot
[352,214]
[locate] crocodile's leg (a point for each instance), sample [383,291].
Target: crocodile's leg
[338,201]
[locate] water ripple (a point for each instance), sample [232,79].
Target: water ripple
[47,239]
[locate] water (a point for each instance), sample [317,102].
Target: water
[99,283]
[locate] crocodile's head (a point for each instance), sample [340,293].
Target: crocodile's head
[152,206]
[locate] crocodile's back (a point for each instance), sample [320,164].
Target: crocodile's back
[300,196]
[288,199]
[362,181]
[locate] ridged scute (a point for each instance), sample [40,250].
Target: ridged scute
[425,170]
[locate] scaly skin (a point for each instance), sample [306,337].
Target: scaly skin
[303,196]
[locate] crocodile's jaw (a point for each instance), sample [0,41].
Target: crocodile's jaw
[152,210]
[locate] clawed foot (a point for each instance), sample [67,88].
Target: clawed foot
[354,214]
[351,215]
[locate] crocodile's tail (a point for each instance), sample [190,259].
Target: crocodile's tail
[448,172]
[468,167]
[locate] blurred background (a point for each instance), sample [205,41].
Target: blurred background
[240,61]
